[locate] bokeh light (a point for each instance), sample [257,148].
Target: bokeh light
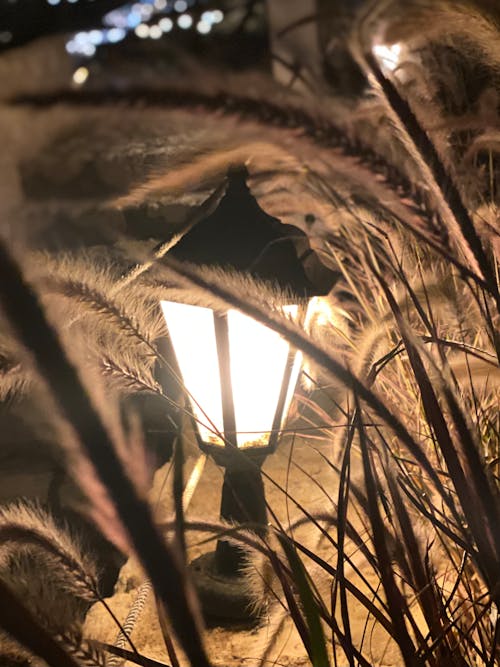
[146,19]
[80,76]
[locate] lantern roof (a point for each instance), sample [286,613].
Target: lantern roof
[240,236]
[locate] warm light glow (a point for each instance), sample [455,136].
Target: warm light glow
[318,312]
[192,334]
[258,362]
[389,56]
[142,31]
[258,358]
[80,75]
[155,32]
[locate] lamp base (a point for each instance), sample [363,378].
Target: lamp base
[224,598]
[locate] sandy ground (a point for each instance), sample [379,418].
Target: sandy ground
[314,486]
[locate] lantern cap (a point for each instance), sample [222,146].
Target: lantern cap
[240,236]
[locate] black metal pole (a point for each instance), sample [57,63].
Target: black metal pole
[243,501]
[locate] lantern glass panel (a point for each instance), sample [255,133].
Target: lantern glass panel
[292,384]
[258,361]
[191,330]
[258,358]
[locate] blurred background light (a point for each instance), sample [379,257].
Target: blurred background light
[203,27]
[80,75]
[166,24]
[142,31]
[155,32]
[180,6]
[185,21]
[94,24]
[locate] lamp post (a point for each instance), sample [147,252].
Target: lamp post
[240,376]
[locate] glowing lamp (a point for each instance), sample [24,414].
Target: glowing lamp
[238,374]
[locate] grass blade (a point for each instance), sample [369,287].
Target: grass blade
[166,573]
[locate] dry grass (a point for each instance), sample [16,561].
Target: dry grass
[394,193]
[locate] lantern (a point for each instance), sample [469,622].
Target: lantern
[238,374]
